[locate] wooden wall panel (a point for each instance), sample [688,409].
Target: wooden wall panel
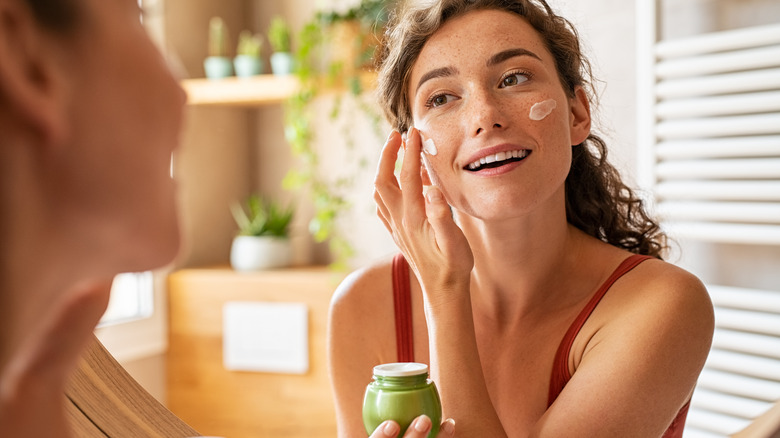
[236,404]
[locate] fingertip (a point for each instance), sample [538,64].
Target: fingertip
[389,428]
[391,136]
[448,427]
[422,423]
[434,195]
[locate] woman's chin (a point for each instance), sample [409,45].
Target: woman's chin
[154,251]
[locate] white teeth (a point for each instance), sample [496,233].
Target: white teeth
[501,156]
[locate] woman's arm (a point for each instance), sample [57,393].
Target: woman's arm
[639,359]
[358,331]
[440,256]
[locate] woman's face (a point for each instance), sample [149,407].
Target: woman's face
[485,87]
[125,114]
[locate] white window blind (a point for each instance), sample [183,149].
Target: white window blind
[712,135]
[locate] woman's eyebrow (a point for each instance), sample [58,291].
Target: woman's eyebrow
[436,73]
[494,60]
[508,54]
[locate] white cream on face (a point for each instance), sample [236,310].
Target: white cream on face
[540,110]
[429,147]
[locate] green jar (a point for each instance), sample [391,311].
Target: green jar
[401,392]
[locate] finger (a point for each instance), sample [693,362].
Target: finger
[447,429]
[382,216]
[410,180]
[419,427]
[449,237]
[381,208]
[388,428]
[386,189]
[385,174]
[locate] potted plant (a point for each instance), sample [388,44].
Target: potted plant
[263,239]
[279,37]
[218,64]
[317,55]
[247,61]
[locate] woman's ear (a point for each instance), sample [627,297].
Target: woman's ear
[579,107]
[30,82]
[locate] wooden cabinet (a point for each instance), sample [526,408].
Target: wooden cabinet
[234,404]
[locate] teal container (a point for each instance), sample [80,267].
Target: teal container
[401,392]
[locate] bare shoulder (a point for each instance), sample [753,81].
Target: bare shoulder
[660,302]
[663,285]
[642,349]
[361,313]
[364,289]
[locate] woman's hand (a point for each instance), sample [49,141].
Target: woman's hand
[418,429]
[422,227]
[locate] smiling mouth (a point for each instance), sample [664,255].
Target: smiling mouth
[497,160]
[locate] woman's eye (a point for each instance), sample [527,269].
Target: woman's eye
[513,79]
[438,100]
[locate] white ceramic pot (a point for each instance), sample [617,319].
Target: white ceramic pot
[282,63]
[247,66]
[250,253]
[218,67]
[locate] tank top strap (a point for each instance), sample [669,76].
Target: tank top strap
[560,372]
[402,300]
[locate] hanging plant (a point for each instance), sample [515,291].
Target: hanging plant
[319,65]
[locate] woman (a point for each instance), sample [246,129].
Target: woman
[89,117]
[514,246]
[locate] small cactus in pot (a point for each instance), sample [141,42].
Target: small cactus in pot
[247,61]
[279,36]
[218,64]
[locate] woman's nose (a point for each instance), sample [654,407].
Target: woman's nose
[485,112]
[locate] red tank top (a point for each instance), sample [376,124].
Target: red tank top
[560,372]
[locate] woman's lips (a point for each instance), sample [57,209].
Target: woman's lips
[497,159]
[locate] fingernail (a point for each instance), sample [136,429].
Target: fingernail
[448,426]
[403,136]
[390,135]
[422,424]
[390,429]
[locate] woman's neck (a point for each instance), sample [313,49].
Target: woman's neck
[518,263]
[36,265]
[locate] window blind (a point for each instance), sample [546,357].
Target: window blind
[714,128]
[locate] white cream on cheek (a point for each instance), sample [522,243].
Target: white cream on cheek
[540,110]
[428,146]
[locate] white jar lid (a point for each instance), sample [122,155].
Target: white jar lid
[400,369]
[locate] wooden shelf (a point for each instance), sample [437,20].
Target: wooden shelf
[233,91]
[255,91]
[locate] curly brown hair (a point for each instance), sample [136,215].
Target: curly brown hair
[598,202]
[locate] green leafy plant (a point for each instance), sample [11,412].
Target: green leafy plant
[262,217]
[312,64]
[218,37]
[249,44]
[279,35]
